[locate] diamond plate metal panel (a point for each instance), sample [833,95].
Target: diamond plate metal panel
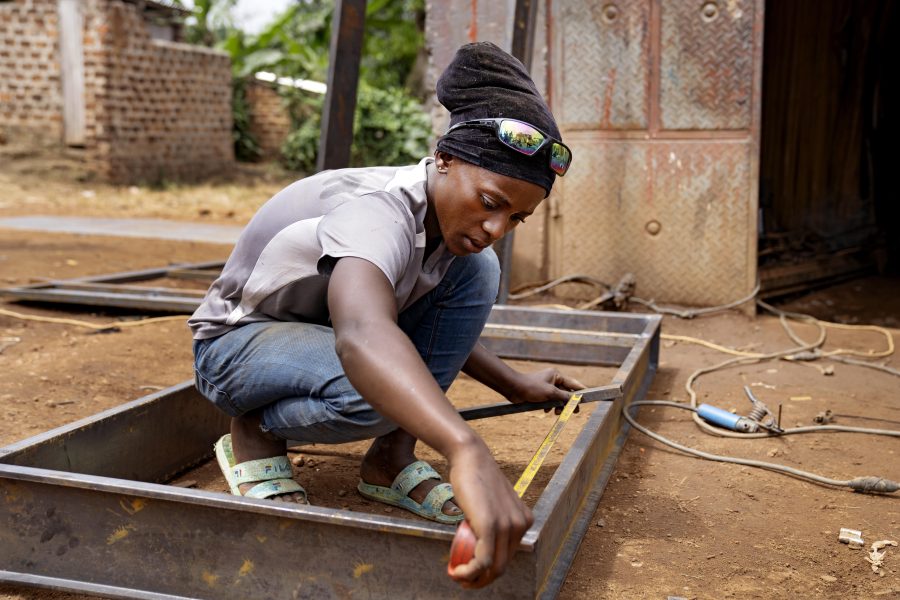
[601,62]
[449,25]
[676,214]
[659,100]
[706,64]
[452,23]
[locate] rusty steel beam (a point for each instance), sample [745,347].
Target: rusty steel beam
[194,274]
[85,507]
[606,392]
[348,24]
[111,290]
[524,18]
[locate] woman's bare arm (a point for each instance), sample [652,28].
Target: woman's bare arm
[540,386]
[386,369]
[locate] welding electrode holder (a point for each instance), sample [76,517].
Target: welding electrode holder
[723,418]
[760,417]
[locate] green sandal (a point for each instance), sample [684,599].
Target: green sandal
[398,494]
[273,474]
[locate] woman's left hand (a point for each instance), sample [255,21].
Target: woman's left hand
[544,385]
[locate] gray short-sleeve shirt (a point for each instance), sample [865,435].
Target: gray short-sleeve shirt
[280,265]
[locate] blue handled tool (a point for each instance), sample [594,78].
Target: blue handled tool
[728,420]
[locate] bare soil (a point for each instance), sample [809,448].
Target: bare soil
[668,524]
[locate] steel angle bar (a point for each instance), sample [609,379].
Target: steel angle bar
[149,291]
[85,507]
[111,290]
[580,479]
[147,274]
[606,392]
[57,584]
[560,336]
[175,304]
[194,274]
[565,336]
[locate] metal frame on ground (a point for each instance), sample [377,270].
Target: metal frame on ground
[116,290]
[85,507]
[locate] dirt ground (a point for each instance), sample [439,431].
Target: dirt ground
[668,524]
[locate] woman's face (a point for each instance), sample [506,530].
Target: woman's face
[472,207]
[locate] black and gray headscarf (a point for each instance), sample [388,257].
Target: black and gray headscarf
[485,82]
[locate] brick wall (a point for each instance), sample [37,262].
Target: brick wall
[154,109]
[30,94]
[162,110]
[270,123]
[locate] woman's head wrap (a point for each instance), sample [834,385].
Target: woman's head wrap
[484,82]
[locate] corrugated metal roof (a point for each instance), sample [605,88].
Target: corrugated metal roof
[162,6]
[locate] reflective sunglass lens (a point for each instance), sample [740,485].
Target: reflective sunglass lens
[560,158]
[520,136]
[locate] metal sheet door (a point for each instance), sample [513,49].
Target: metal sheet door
[660,103]
[448,25]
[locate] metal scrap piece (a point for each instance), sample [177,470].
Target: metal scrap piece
[824,417]
[876,558]
[852,537]
[6,342]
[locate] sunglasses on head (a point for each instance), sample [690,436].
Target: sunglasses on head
[525,138]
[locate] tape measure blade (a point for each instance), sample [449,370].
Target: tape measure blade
[538,459]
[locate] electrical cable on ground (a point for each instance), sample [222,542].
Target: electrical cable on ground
[95,326]
[537,288]
[800,352]
[692,340]
[803,353]
[695,312]
[868,484]
[862,363]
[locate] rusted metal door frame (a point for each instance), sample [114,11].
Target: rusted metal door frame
[742,139]
[524,18]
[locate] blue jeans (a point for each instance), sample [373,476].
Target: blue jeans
[291,372]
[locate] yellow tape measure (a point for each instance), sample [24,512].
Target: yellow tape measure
[542,452]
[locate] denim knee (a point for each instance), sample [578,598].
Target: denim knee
[477,276]
[219,397]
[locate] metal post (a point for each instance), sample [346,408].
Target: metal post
[523,31]
[343,77]
[522,48]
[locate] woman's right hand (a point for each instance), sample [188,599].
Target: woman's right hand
[496,514]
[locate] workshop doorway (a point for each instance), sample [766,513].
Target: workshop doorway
[829,190]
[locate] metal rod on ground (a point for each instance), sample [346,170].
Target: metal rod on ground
[522,48]
[611,392]
[349,21]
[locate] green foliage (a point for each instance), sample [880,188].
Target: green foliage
[390,128]
[390,125]
[211,21]
[245,146]
[301,147]
[393,42]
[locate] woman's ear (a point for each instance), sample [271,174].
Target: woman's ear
[442,161]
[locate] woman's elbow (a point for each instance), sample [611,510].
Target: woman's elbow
[354,342]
